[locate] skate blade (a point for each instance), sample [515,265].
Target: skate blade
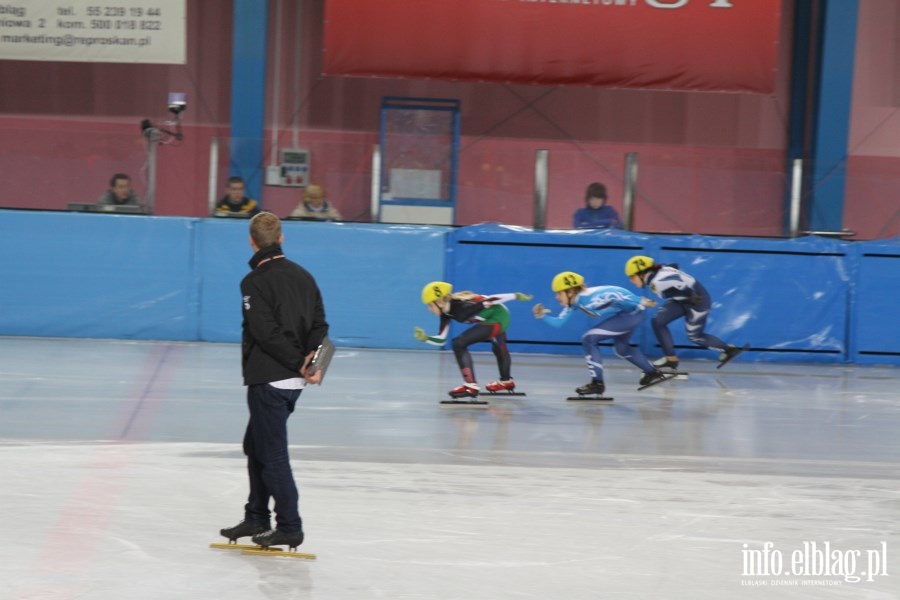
[590,399]
[665,378]
[272,551]
[235,546]
[463,402]
[502,394]
[734,356]
[679,375]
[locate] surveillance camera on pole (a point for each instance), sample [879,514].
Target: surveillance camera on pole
[161,135]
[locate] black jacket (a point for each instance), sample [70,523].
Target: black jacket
[284,318]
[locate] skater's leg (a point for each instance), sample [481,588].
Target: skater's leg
[590,342]
[501,352]
[668,312]
[461,343]
[620,328]
[270,408]
[257,507]
[695,322]
[624,350]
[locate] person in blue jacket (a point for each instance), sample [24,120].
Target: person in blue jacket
[620,313]
[596,214]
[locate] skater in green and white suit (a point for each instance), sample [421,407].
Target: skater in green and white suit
[491,320]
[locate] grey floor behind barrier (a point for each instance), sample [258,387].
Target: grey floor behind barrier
[121,461]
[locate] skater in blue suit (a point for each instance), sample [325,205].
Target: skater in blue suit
[620,313]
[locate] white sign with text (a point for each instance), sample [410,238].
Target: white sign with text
[120,31]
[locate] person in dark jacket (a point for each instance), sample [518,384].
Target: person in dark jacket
[596,214]
[120,192]
[235,202]
[283,325]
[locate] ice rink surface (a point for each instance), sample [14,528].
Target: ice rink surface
[122,460]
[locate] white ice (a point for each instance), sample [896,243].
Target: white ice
[122,460]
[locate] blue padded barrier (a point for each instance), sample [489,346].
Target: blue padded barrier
[370,276]
[788,298]
[139,277]
[875,324]
[97,276]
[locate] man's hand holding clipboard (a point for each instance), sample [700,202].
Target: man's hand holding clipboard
[317,365]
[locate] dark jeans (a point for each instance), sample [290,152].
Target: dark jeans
[268,464]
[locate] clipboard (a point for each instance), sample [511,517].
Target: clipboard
[322,358]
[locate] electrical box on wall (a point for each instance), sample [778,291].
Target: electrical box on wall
[292,170]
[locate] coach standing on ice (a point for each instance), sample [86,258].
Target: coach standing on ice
[284,323]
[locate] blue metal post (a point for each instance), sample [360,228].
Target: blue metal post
[832,118]
[248,93]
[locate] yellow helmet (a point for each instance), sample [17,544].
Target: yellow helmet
[637,264]
[435,290]
[566,280]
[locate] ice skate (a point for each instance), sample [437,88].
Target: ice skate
[591,391]
[652,378]
[504,385]
[276,537]
[243,529]
[467,390]
[465,395]
[729,354]
[267,541]
[665,363]
[670,367]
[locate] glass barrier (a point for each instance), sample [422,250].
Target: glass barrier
[48,168]
[712,191]
[340,164]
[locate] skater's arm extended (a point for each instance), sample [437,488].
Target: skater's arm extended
[560,319]
[504,298]
[435,340]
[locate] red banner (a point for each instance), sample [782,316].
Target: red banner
[714,45]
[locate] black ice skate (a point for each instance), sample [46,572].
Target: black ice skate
[265,541]
[665,363]
[275,537]
[243,529]
[652,378]
[592,391]
[730,354]
[670,367]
